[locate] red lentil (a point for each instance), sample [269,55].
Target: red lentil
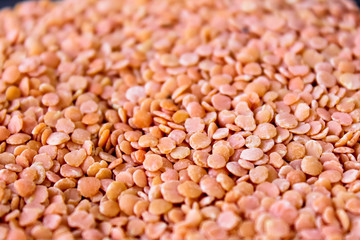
[153,162]
[199,141]
[258,174]
[180,120]
[310,165]
[24,187]
[88,186]
[189,189]
[252,154]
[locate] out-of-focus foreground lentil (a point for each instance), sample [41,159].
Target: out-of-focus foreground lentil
[226,119]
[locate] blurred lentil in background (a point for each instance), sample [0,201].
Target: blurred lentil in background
[145,119]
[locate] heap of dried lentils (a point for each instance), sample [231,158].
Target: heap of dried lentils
[144,119]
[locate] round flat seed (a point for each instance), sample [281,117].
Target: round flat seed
[153,162]
[57,138]
[180,152]
[159,206]
[350,81]
[326,79]
[172,120]
[265,131]
[216,161]
[350,176]
[88,186]
[286,120]
[311,165]
[258,174]
[169,191]
[189,189]
[252,154]
[199,141]
[188,59]
[75,158]
[142,119]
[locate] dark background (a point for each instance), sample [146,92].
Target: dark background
[6,3]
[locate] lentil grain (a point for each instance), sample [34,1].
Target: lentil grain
[180,120]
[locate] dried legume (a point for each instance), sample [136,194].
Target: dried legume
[180,120]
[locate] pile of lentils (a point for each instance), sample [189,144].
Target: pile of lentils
[180,119]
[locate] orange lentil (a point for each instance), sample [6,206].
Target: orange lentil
[265,131]
[252,154]
[295,151]
[153,162]
[24,187]
[180,116]
[166,145]
[259,174]
[159,206]
[109,208]
[169,191]
[4,133]
[88,186]
[310,165]
[189,189]
[180,120]
[180,152]
[142,119]
[148,141]
[135,227]
[114,189]
[199,141]
[216,161]
[12,93]
[11,74]
[277,228]
[75,158]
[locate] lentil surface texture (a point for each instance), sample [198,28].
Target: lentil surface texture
[171,120]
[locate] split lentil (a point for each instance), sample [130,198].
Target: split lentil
[180,119]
